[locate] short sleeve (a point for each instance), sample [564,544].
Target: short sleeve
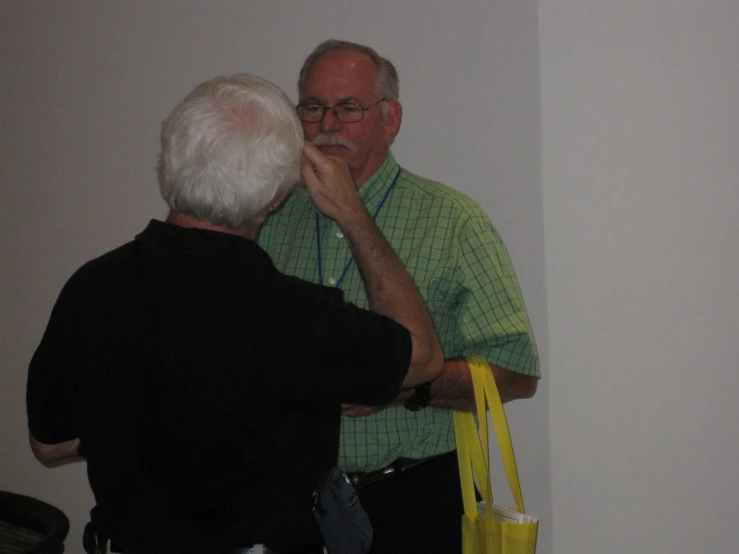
[492,318]
[52,388]
[353,355]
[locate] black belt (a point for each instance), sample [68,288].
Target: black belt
[400,465]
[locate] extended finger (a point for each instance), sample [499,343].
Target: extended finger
[309,173]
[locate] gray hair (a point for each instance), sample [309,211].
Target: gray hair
[229,149]
[388,85]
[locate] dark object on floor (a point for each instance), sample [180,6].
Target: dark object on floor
[30,526]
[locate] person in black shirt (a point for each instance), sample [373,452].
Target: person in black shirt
[202,386]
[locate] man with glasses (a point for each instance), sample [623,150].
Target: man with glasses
[401,456]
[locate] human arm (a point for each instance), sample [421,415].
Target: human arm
[53,455]
[453,389]
[51,387]
[476,297]
[390,290]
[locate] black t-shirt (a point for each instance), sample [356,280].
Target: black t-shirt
[205,388]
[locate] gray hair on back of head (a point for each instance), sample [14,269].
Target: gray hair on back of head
[388,84]
[229,149]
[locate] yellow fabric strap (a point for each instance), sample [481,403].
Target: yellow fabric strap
[462,422]
[482,378]
[488,535]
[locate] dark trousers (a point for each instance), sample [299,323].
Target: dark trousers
[417,511]
[94,542]
[309,549]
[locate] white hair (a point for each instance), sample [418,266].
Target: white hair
[229,149]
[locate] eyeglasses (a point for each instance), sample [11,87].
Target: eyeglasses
[346,112]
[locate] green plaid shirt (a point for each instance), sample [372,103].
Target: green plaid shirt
[463,271]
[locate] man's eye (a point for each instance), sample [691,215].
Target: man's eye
[312,108]
[349,108]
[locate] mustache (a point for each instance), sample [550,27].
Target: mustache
[326,139]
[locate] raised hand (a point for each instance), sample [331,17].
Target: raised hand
[330,185]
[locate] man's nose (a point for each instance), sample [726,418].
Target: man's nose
[330,122]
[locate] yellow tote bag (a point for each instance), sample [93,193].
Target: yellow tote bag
[489,529]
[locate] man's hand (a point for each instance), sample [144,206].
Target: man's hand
[330,185]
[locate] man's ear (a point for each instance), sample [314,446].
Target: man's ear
[393,118]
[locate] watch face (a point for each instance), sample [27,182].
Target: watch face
[419,399]
[412,404]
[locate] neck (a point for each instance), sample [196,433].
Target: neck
[361,176]
[181,219]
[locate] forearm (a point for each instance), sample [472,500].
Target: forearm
[52,455]
[391,292]
[453,388]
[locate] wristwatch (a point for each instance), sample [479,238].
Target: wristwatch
[419,399]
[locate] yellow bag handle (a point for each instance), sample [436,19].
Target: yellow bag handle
[473,464]
[486,391]
[462,423]
[472,449]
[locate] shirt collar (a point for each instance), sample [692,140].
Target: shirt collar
[167,236]
[374,189]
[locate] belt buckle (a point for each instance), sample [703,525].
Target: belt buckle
[360,480]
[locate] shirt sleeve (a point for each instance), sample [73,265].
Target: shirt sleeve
[492,318]
[352,355]
[51,390]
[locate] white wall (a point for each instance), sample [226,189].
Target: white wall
[640,127]
[85,85]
